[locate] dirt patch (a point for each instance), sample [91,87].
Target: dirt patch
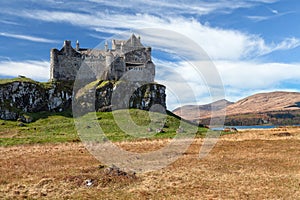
[282,134]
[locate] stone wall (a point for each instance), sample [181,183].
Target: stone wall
[64,63]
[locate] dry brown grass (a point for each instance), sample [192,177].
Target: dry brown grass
[255,164]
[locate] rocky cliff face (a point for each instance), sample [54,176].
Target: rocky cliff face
[26,96]
[21,96]
[110,95]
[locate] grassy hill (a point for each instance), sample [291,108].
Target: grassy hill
[60,127]
[278,108]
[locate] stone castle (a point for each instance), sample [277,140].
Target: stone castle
[124,56]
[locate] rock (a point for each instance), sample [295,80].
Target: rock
[89,182]
[7,114]
[25,119]
[116,171]
[43,182]
[21,124]
[232,130]
[282,134]
[20,97]
[101,166]
[180,130]
[159,130]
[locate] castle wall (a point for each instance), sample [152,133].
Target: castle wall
[125,56]
[64,63]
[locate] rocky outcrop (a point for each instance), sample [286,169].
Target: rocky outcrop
[26,96]
[110,95]
[21,96]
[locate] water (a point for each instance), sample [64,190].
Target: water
[253,127]
[247,127]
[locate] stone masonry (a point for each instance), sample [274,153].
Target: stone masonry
[107,64]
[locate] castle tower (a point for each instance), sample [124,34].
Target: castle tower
[67,47]
[148,53]
[53,63]
[113,44]
[109,59]
[106,46]
[77,45]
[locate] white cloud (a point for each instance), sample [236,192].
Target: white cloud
[239,79]
[37,70]
[27,37]
[230,49]
[255,75]
[189,82]
[258,18]
[242,79]
[275,14]
[219,43]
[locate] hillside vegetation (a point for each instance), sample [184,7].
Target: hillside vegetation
[51,127]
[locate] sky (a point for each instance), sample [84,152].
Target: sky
[252,45]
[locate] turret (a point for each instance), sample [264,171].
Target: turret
[77,45]
[109,57]
[113,44]
[53,63]
[148,52]
[106,46]
[122,45]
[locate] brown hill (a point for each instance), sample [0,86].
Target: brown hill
[194,112]
[262,104]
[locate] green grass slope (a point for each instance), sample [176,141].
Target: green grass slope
[60,127]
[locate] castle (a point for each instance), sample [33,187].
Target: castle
[124,57]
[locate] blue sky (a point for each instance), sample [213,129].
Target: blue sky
[254,44]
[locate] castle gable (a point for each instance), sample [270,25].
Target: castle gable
[68,50]
[133,42]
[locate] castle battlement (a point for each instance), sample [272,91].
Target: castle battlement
[106,64]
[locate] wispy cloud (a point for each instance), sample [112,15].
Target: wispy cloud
[275,14]
[9,22]
[27,37]
[218,43]
[171,7]
[37,70]
[257,18]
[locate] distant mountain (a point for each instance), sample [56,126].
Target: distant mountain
[194,112]
[262,108]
